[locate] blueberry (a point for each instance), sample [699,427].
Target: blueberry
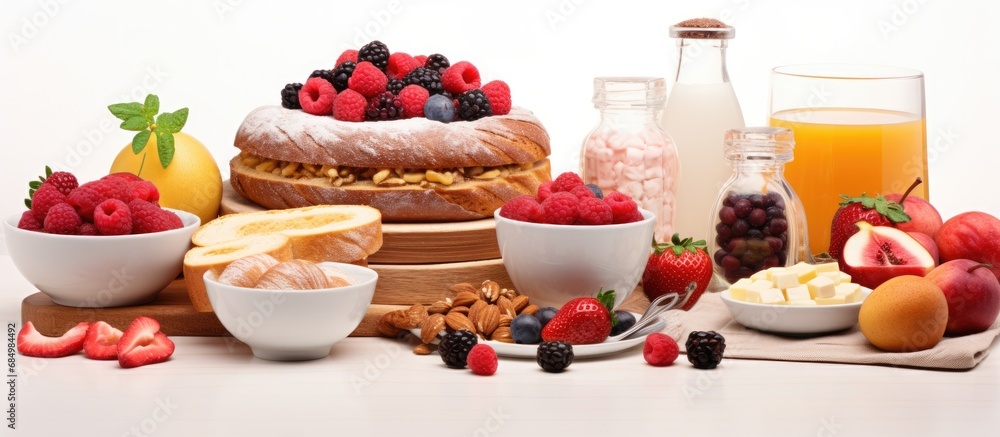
[526,329]
[625,320]
[439,108]
[596,190]
[545,314]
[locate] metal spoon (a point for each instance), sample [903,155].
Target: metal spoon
[656,307]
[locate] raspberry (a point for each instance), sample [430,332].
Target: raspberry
[112,217]
[123,175]
[28,222]
[349,106]
[144,190]
[544,190]
[482,360]
[400,64]
[522,208]
[64,181]
[623,208]
[560,209]
[498,93]
[636,216]
[87,228]
[45,198]
[582,192]
[348,55]
[659,349]
[368,80]
[375,52]
[566,182]
[85,199]
[594,211]
[385,106]
[413,97]
[148,218]
[461,77]
[61,219]
[422,59]
[316,96]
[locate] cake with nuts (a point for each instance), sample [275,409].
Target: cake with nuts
[418,138]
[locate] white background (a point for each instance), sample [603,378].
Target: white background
[62,63]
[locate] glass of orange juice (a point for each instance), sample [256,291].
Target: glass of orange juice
[858,129]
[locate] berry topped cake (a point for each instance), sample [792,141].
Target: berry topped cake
[417,137]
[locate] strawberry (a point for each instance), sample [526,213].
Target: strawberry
[877,211]
[143,343]
[33,344]
[584,320]
[674,265]
[101,342]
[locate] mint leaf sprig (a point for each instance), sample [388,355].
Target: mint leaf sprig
[142,118]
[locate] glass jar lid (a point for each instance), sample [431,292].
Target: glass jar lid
[702,28]
[646,92]
[759,143]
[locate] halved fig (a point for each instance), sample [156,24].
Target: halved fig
[878,253]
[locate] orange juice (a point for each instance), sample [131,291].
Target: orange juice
[851,151]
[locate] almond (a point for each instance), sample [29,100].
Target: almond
[431,327]
[399,319]
[460,310]
[509,293]
[530,309]
[491,291]
[505,320]
[422,349]
[458,321]
[488,320]
[386,328]
[506,306]
[439,307]
[502,334]
[475,309]
[417,314]
[520,302]
[458,288]
[465,298]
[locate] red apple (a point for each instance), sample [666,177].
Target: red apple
[971,235]
[876,254]
[928,242]
[972,292]
[924,217]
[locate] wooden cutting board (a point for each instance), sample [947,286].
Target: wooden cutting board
[410,243]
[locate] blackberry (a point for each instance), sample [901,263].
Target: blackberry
[705,348]
[290,96]
[326,75]
[375,52]
[395,86]
[555,356]
[425,77]
[437,62]
[385,106]
[341,74]
[455,347]
[473,105]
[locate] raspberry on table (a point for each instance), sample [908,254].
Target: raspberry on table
[482,360]
[113,217]
[460,77]
[623,208]
[498,92]
[368,80]
[522,208]
[61,219]
[45,198]
[316,96]
[560,209]
[594,211]
[659,349]
[349,106]
[413,97]
[566,182]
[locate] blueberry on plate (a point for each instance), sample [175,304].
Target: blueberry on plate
[625,321]
[526,329]
[545,314]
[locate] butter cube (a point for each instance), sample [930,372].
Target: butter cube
[835,276]
[772,296]
[802,302]
[835,300]
[760,276]
[805,271]
[799,292]
[785,279]
[821,286]
[738,291]
[755,290]
[773,271]
[850,292]
[845,278]
[827,267]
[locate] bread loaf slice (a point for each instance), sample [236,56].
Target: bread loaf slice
[338,233]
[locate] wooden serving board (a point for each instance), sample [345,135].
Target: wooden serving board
[410,243]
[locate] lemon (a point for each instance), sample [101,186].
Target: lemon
[191,182]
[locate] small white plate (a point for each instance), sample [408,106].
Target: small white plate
[794,320]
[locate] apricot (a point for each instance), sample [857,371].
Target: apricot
[904,314]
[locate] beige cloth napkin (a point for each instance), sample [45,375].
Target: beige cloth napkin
[710,314]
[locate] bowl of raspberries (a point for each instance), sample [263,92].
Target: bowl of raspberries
[573,240]
[104,243]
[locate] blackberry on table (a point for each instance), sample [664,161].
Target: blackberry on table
[290,96]
[425,77]
[341,74]
[455,347]
[705,349]
[375,52]
[437,62]
[555,356]
[473,105]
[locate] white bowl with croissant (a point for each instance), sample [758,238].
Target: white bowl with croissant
[293,310]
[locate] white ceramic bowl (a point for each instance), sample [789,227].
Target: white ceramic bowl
[794,320]
[293,325]
[552,264]
[100,271]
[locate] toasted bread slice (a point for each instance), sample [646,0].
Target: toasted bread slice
[217,257]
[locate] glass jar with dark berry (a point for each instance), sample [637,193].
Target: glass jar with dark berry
[758,219]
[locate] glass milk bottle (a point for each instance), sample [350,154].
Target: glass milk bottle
[701,108]
[629,152]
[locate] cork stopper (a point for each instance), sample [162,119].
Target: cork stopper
[702,28]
